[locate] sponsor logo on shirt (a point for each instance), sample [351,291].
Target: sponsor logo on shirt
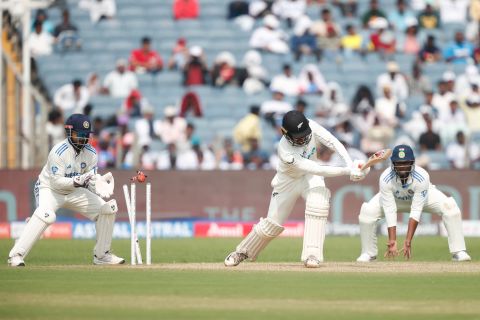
[54,169]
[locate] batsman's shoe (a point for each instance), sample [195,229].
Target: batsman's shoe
[461,256]
[108,258]
[365,257]
[312,262]
[16,261]
[234,259]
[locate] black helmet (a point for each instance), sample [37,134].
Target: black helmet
[82,126]
[403,160]
[295,128]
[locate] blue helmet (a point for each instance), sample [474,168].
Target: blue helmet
[403,160]
[78,128]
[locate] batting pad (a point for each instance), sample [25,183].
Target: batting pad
[104,227]
[30,235]
[452,219]
[316,213]
[260,236]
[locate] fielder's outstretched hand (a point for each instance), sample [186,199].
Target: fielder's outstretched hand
[407,250]
[392,250]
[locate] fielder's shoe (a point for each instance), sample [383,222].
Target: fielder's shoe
[16,261]
[108,258]
[312,262]
[365,257]
[461,256]
[234,259]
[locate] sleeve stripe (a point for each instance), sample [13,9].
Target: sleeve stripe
[61,148]
[90,148]
[60,151]
[418,176]
[389,176]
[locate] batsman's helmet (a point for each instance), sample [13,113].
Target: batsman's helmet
[82,126]
[296,129]
[403,160]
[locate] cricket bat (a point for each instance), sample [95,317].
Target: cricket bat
[377,157]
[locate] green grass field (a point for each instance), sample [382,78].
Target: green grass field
[59,282]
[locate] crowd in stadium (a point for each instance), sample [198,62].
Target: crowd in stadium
[445,125]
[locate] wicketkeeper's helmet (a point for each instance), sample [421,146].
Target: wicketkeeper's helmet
[82,126]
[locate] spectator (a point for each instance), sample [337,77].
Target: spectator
[472,30]
[172,129]
[237,8]
[388,108]
[460,154]
[179,55]
[224,72]
[191,101]
[376,137]
[185,9]
[327,32]
[93,84]
[145,127]
[311,80]
[106,159]
[382,40]
[255,158]
[120,82]
[72,97]
[332,105]
[409,43]
[464,82]
[269,37]
[286,83]
[430,52]
[441,99]
[191,137]
[42,17]
[167,159]
[417,81]
[401,18]
[40,42]
[429,140]
[248,128]
[196,158]
[395,80]
[253,77]
[372,13]
[451,122]
[148,158]
[471,108]
[145,59]
[418,122]
[55,127]
[300,105]
[351,42]
[99,9]
[429,18]
[348,8]
[196,69]
[362,100]
[460,51]
[303,42]
[289,10]
[66,33]
[273,110]
[135,105]
[228,157]
[453,11]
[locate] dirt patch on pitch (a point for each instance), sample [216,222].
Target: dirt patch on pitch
[347,267]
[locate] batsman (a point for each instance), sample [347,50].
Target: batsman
[405,187]
[299,174]
[69,180]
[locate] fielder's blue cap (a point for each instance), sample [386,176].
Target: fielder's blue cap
[402,152]
[79,123]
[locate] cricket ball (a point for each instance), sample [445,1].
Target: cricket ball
[141,176]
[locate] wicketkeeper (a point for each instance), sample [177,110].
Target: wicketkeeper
[69,180]
[299,174]
[405,187]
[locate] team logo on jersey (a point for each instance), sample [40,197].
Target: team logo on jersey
[54,170]
[86,125]
[83,165]
[69,166]
[410,191]
[274,194]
